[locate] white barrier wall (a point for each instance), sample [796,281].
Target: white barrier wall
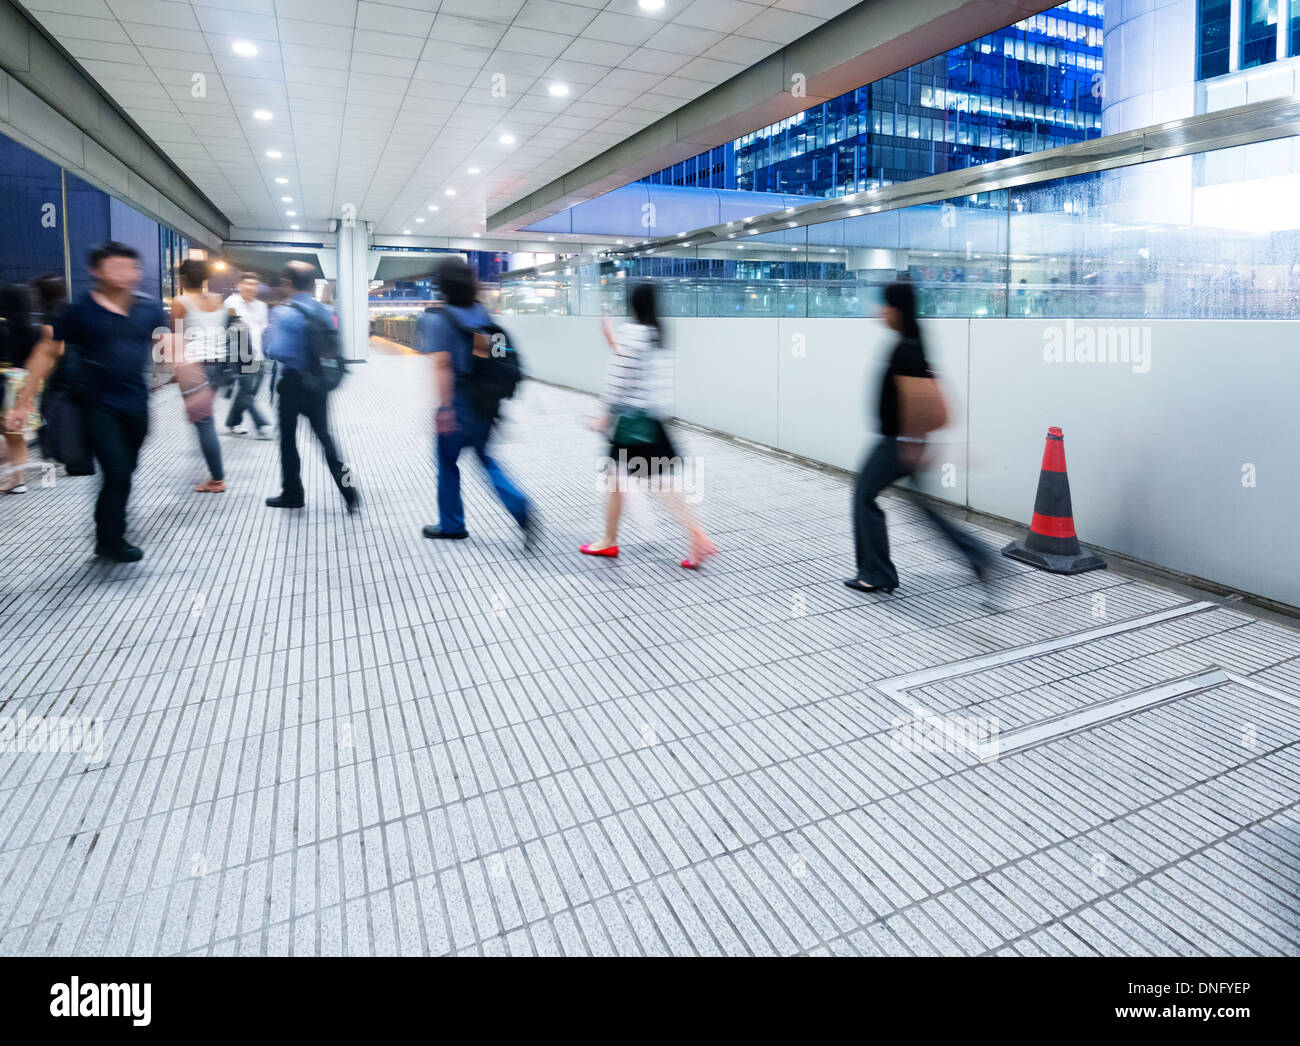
[1191,462]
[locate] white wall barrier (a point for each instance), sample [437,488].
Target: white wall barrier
[1182,440]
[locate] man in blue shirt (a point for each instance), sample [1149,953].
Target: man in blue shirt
[458,425]
[287,344]
[114,331]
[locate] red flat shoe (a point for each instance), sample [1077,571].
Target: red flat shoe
[609,553]
[710,549]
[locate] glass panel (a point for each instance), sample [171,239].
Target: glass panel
[542,294]
[1213,31]
[601,290]
[1258,32]
[954,252]
[1214,236]
[31,235]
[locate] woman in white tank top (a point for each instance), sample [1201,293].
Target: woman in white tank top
[198,356]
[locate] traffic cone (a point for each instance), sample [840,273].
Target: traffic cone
[1051,543]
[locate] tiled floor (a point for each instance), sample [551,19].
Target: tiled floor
[324,734]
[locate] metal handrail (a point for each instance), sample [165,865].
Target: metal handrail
[1240,125]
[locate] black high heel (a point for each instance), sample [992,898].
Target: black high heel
[862,586]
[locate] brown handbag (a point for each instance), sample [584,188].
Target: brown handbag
[922,407]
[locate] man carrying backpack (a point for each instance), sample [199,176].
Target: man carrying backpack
[303,340]
[474,369]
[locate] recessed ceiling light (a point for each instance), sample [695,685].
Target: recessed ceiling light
[419,219]
[650,5]
[433,206]
[282,181]
[274,154]
[261,114]
[558,90]
[406,232]
[472,170]
[286,199]
[507,139]
[451,192]
[293,226]
[244,49]
[476,236]
[291,214]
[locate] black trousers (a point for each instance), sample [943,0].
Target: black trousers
[115,439]
[870,535]
[295,401]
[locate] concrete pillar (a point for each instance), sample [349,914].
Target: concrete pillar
[352,287]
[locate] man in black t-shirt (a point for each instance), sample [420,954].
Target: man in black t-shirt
[114,331]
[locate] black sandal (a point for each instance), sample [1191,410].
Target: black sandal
[862,586]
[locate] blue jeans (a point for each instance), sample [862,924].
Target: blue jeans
[207,428]
[471,432]
[211,446]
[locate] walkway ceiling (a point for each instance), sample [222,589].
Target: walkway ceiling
[385,106]
[871,40]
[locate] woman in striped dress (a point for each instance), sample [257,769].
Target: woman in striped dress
[638,399]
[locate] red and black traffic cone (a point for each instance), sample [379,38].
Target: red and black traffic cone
[1051,543]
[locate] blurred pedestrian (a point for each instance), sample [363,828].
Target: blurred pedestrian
[110,333]
[18,336]
[911,407]
[464,418]
[637,400]
[297,328]
[246,325]
[200,357]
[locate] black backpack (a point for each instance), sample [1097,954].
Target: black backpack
[495,370]
[325,367]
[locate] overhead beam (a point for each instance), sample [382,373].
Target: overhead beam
[55,108]
[862,45]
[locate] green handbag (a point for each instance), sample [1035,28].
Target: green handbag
[635,428]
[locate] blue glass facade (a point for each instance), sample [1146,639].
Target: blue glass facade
[1031,86]
[715,169]
[53,218]
[1267,31]
[1213,37]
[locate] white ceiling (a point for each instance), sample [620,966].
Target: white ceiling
[385,105]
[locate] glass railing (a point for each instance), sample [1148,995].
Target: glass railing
[1166,226]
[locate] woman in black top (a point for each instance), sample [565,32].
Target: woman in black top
[898,454]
